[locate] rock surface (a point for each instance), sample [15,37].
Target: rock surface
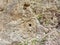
[29,22]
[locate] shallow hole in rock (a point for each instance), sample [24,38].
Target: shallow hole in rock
[26,5]
[29,24]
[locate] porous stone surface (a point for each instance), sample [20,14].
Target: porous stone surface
[29,22]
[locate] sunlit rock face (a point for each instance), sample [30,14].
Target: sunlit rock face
[29,22]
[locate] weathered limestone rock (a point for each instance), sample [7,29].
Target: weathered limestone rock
[25,22]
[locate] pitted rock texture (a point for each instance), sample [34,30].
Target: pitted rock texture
[29,22]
